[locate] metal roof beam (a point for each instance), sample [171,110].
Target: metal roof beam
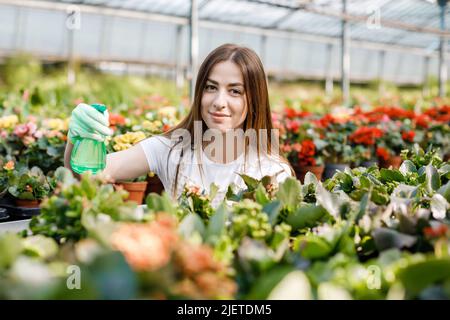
[58,6]
[358,18]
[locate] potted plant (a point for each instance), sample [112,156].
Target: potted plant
[6,170]
[137,187]
[29,187]
[396,137]
[303,148]
[337,152]
[363,142]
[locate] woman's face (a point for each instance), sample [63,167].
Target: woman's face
[224,103]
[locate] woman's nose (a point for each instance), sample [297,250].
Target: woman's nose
[220,102]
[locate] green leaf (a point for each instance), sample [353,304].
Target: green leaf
[407,167]
[387,238]
[328,200]
[365,182]
[217,224]
[387,175]
[261,195]
[444,171]
[312,247]
[421,275]
[305,216]
[362,207]
[213,190]
[250,182]
[310,178]
[445,191]
[273,210]
[433,182]
[439,206]
[267,282]
[40,246]
[289,193]
[191,225]
[10,249]
[156,202]
[294,286]
[65,177]
[53,152]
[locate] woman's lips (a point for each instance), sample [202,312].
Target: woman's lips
[218,117]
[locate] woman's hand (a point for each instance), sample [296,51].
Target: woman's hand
[88,122]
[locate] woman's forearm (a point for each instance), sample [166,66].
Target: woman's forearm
[122,165]
[127,164]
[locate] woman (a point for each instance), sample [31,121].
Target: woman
[230,119]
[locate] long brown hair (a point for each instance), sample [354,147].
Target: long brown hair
[257,96]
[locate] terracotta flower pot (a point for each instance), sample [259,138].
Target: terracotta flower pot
[27,203]
[394,161]
[154,185]
[300,171]
[331,169]
[136,190]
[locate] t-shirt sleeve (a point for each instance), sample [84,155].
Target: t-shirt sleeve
[156,151]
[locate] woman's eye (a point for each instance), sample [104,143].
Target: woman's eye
[210,87]
[236,92]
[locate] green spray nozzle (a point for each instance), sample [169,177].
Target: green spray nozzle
[99,107]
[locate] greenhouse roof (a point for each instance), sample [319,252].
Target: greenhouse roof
[403,23]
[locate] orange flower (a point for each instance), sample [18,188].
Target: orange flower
[195,259]
[9,165]
[165,127]
[116,119]
[146,247]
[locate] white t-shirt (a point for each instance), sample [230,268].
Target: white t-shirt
[157,149]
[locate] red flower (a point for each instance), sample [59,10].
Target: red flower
[308,148]
[290,113]
[422,120]
[366,135]
[435,232]
[382,153]
[306,154]
[408,136]
[293,125]
[325,121]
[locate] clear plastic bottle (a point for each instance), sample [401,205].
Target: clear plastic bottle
[89,154]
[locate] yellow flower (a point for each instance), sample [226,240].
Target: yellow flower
[9,165]
[152,126]
[127,140]
[56,124]
[8,122]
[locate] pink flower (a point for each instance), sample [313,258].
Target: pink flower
[3,134]
[38,134]
[32,127]
[21,130]
[385,118]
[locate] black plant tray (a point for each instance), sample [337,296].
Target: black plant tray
[4,216]
[19,213]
